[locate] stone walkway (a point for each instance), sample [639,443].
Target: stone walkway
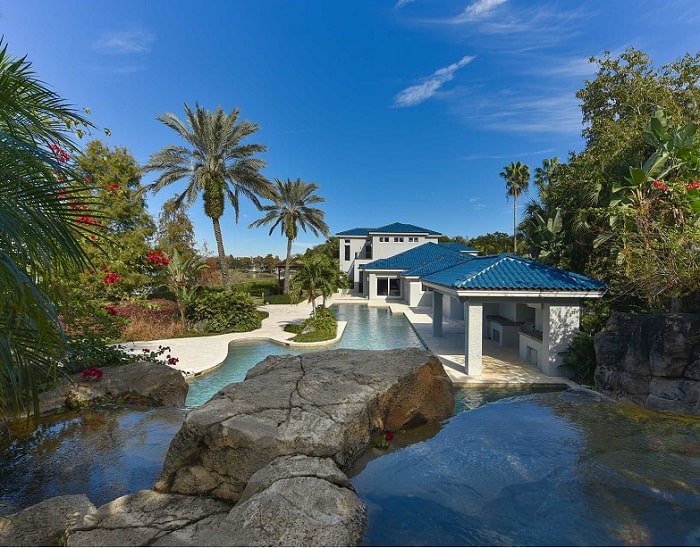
[199,354]
[501,366]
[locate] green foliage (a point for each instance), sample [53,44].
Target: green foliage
[282,299]
[224,311]
[322,326]
[175,230]
[218,166]
[122,238]
[517,177]
[92,350]
[39,230]
[581,358]
[492,243]
[290,210]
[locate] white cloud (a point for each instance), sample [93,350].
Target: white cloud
[414,95]
[125,42]
[401,3]
[478,10]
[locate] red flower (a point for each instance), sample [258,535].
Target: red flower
[146,350]
[61,155]
[693,185]
[111,309]
[660,185]
[92,373]
[157,258]
[110,278]
[388,436]
[85,219]
[172,360]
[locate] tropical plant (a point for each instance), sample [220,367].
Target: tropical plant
[313,278]
[39,230]
[182,280]
[216,165]
[517,177]
[290,210]
[175,229]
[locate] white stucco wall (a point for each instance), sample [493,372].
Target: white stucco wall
[558,332]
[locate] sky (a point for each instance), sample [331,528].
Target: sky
[400,111]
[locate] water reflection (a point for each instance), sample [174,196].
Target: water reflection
[540,470]
[102,453]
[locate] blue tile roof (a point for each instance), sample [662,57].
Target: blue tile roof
[460,247]
[416,257]
[354,232]
[510,272]
[401,228]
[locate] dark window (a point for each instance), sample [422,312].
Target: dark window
[347,252]
[394,287]
[382,286]
[368,251]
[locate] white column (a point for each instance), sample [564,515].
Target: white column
[473,349]
[437,314]
[560,324]
[371,288]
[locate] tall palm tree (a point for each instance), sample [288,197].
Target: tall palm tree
[543,178]
[517,176]
[39,229]
[215,164]
[290,210]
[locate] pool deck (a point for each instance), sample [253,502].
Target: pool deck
[501,366]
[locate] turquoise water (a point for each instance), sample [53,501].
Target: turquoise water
[367,328]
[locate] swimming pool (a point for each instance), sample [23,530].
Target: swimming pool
[368,328]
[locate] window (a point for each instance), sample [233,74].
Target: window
[413,238]
[425,288]
[383,238]
[347,241]
[347,252]
[368,251]
[382,286]
[398,238]
[394,287]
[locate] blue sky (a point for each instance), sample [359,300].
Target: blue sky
[400,111]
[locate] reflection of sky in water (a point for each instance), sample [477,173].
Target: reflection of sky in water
[367,328]
[536,470]
[104,454]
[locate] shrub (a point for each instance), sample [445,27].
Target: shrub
[581,358]
[281,299]
[322,328]
[224,311]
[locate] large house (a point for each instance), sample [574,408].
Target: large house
[511,300]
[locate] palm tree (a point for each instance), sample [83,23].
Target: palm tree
[290,210]
[39,229]
[182,272]
[517,176]
[543,178]
[215,164]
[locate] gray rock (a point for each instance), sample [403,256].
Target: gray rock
[45,523]
[156,381]
[141,519]
[325,404]
[651,360]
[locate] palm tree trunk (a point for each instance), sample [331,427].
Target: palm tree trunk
[515,210]
[286,266]
[223,264]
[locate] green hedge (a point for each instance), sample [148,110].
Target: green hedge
[280,299]
[225,312]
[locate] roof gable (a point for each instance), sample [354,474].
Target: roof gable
[402,228]
[414,258]
[510,272]
[354,232]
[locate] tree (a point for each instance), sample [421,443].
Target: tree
[216,165]
[182,280]
[175,229]
[317,276]
[290,211]
[543,178]
[517,176]
[124,228]
[40,237]
[492,243]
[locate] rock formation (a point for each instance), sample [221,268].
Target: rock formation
[262,463]
[651,360]
[325,405]
[155,381]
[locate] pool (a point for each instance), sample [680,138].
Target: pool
[545,469]
[368,328]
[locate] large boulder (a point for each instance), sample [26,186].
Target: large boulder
[45,523]
[295,501]
[157,382]
[651,360]
[325,405]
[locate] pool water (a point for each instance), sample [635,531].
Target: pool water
[367,328]
[542,469]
